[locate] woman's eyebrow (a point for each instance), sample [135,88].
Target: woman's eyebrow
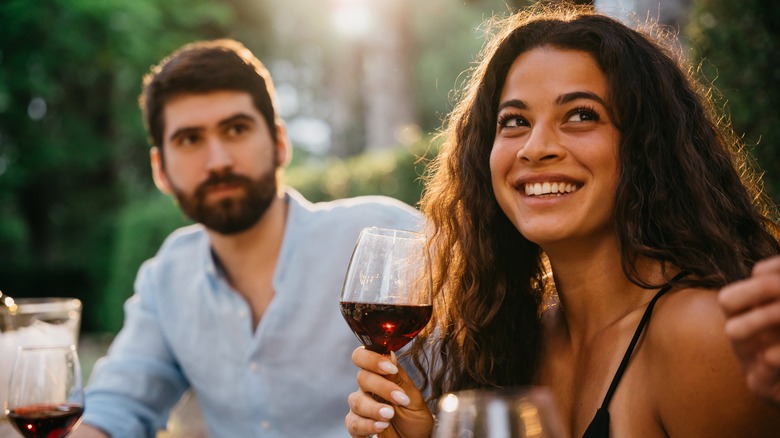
[514,103]
[561,100]
[570,97]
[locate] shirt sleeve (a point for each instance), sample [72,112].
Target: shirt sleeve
[132,390]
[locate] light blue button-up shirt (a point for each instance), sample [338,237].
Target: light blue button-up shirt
[186,327]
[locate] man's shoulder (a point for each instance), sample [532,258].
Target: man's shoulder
[369,203]
[185,236]
[183,242]
[373,210]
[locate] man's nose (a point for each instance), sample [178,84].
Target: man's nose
[219,156]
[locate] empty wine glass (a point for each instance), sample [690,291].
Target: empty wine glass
[525,412]
[386,298]
[45,395]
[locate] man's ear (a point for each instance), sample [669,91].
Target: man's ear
[283,146]
[158,171]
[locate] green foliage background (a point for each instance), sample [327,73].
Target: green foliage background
[738,45]
[78,211]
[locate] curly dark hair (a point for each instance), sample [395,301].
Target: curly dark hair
[203,67]
[687,197]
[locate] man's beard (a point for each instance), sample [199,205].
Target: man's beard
[230,215]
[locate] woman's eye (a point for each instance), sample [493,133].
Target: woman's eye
[511,121]
[584,115]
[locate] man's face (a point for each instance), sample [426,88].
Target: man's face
[220,160]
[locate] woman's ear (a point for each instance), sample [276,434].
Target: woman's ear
[158,171]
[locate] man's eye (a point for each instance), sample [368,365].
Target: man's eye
[189,140]
[237,129]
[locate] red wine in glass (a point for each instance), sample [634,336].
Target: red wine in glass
[385,327]
[45,393]
[386,298]
[47,420]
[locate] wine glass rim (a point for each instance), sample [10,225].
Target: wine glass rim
[508,392]
[46,347]
[394,232]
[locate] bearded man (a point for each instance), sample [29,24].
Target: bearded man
[241,308]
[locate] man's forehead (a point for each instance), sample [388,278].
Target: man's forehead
[206,109]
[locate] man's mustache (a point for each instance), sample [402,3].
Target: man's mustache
[215,179]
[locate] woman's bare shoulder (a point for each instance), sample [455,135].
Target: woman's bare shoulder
[700,386]
[690,314]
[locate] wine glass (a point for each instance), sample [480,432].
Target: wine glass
[523,412]
[45,396]
[386,298]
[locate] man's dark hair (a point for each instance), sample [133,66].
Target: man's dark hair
[203,67]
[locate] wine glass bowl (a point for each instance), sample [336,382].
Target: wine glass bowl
[46,395]
[524,412]
[386,298]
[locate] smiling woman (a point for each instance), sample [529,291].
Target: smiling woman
[585,160]
[554,130]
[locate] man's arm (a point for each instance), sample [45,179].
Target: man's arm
[133,387]
[87,431]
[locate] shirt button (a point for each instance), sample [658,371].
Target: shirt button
[242,313]
[265,425]
[253,366]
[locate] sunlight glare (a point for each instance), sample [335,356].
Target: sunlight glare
[351,18]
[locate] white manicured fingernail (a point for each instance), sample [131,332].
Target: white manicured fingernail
[400,398]
[381,425]
[388,367]
[387,412]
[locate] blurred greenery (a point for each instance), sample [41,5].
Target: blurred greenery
[72,146]
[78,210]
[738,44]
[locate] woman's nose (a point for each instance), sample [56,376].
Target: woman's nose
[542,145]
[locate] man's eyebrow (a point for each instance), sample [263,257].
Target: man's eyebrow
[240,117]
[182,131]
[228,121]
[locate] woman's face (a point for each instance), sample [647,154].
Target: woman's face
[554,162]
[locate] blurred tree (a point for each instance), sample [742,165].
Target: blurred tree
[72,145]
[673,13]
[738,43]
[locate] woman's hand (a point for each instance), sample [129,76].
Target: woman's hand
[387,402]
[752,309]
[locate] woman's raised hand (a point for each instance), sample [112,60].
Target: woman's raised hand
[402,411]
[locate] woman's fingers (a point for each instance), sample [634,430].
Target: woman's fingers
[371,408]
[366,416]
[387,390]
[372,361]
[387,401]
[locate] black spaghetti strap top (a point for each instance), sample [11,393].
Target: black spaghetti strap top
[599,426]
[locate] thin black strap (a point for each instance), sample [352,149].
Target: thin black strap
[599,426]
[645,317]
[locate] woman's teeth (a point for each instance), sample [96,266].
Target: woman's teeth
[549,188]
